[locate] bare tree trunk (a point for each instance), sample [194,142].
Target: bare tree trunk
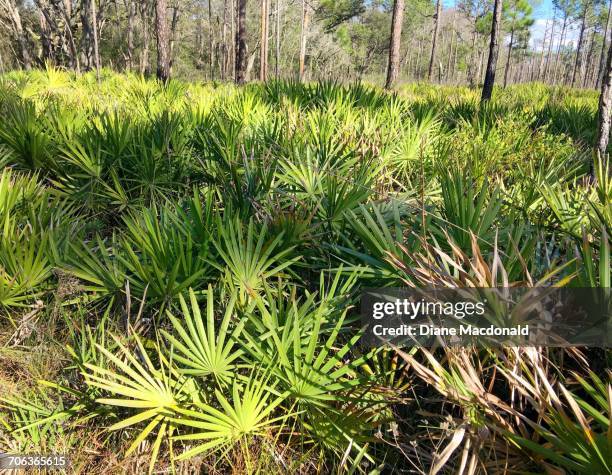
[602,56]
[510,45]
[15,17]
[263,56]
[589,60]
[550,45]
[542,53]
[173,25]
[303,38]
[45,34]
[232,49]
[487,88]
[434,40]
[450,50]
[240,64]
[277,33]
[605,107]
[211,59]
[162,35]
[394,43]
[472,79]
[145,65]
[578,63]
[558,56]
[96,51]
[130,6]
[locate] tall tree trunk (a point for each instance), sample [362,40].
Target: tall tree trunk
[163,37]
[589,61]
[558,56]
[45,34]
[96,50]
[145,65]
[449,63]
[394,43]
[278,44]
[542,53]
[510,45]
[211,58]
[487,88]
[434,40]
[173,25]
[303,39]
[87,36]
[130,6]
[578,62]
[240,64]
[605,107]
[472,61]
[15,17]
[550,45]
[602,56]
[263,56]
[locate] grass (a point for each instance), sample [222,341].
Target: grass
[180,266]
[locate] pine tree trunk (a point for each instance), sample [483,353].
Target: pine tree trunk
[211,57]
[589,61]
[131,11]
[558,56]
[434,40]
[163,37]
[263,56]
[145,65]
[487,88]
[578,62]
[394,44]
[173,25]
[550,45]
[277,33]
[240,64]
[510,45]
[96,51]
[303,38]
[602,56]
[24,53]
[605,107]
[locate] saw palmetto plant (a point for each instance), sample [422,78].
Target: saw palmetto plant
[181,268]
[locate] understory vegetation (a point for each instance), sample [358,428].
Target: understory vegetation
[181,267]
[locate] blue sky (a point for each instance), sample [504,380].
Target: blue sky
[542,8]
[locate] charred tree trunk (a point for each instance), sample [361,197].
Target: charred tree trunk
[602,56]
[605,107]
[240,64]
[394,43]
[145,65]
[162,35]
[434,40]
[487,88]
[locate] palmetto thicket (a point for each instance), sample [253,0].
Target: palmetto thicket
[180,267]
